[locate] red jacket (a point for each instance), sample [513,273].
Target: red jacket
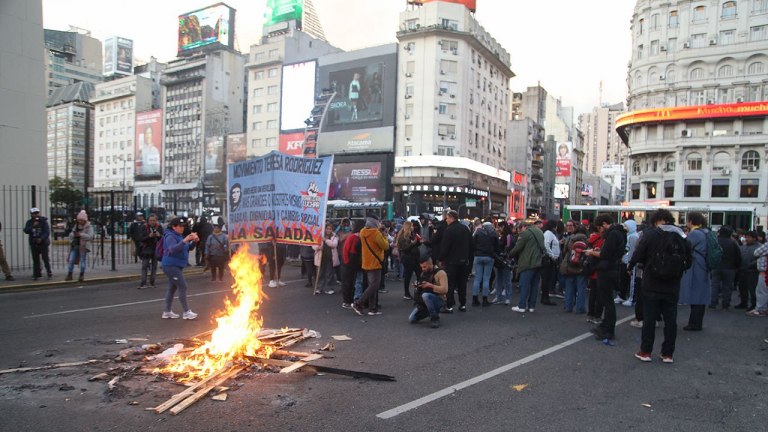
[595,241]
[350,246]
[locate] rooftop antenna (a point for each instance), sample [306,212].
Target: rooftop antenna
[600,97]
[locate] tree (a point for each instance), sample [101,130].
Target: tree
[64,195]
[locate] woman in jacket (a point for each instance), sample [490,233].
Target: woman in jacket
[503,271]
[408,243]
[80,239]
[595,309]
[574,279]
[217,252]
[484,242]
[549,271]
[175,258]
[694,287]
[326,259]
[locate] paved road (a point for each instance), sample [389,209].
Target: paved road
[457,378]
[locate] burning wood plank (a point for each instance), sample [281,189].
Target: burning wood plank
[301,363]
[181,406]
[327,369]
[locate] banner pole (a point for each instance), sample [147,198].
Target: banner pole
[317,272]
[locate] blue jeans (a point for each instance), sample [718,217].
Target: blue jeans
[483,269]
[504,284]
[73,256]
[358,284]
[575,287]
[529,288]
[434,303]
[175,281]
[722,282]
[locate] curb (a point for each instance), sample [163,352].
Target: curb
[40,286]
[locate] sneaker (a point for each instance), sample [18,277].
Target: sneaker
[189,315]
[636,324]
[281,283]
[357,309]
[9,277]
[506,302]
[329,292]
[530,310]
[170,315]
[142,287]
[557,295]
[407,297]
[374,312]
[436,323]
[667,359]
[627,303]
[272,284]
[643,356]
[618,300]
[318,292]
[383,291]
[462,308]
[518,309]
[346,305]
[447,310]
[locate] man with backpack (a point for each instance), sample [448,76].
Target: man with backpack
[665,255]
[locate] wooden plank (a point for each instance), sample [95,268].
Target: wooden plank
[184,394]
[204,391]
[291,353]
[326,369]
[53,366]
[301,363]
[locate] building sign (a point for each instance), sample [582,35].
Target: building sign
[587,190]
[205,27]
[124,56]
[562,190]
[563,161]
[292,143]
[214,155]
[297,97]
[278,198]
[236,148]
[110,57]
[357,182]
[149,147]
[283,10]
[358,141]
[470,4]
[445,189]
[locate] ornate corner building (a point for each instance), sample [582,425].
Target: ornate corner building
[697,107]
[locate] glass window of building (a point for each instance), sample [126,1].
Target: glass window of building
[721,161]
[635,190]
[699,14]
[258,92]
[650,190]
[654,24]
[725,71]
[727,37]
[257,125]
[640,26]
[272,90]
[692,188]
[272,124]
[693,163]
[258,75]
[273,53]
[271,142]
[257,109]
[729,9]
[697,74]
[720,188]
[750,161]
[272,107]
[674,20]
[639,51]
[669,188]
[272,73]
[756,68]
[635,168]
[654,47]
[757,33]
[749,188]
[699,40]
[759,6]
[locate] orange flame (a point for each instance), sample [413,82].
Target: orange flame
[238,325]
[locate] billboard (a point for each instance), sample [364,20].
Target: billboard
[292,143]
[563,161]
[213,162]
[562,190]
[297,97]
[124,56]
[357,182]
[356,141]
[470,4]
[278,198]
[236,148]
[149,146]
[213,24]
[283,10]
[110,57]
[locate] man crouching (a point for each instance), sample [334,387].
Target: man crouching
[430,293]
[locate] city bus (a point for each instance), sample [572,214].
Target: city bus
[340,209]
[716,216]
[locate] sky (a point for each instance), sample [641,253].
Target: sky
[566,46]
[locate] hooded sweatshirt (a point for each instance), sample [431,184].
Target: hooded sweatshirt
[373,247]
[632,239]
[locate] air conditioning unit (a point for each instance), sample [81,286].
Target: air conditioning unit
[726,171]
[453,116]
[687,45]
[453,137]
[739,99]
[408,96]
[407,116]
[440,93]
[442,72]
[686,133]
[662,77]
[408,74]
[662,48]
[713,41]
[453,96]
[710,101]
[752,168]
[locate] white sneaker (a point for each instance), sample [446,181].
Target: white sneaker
[627,303]
[530,310]
[281,283]
[329,292]
[272,284]
[636,324]
[618,300]
[517,309]
[170,315]
[506,302]
[189,315]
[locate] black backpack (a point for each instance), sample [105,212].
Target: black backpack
[669,261]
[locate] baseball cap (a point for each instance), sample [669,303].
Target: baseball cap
[176,221]
[34,210]
[139,214]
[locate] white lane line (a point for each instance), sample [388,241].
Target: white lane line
[120,305]
[480,378]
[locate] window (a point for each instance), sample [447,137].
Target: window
[670,76]
[410,67]
[699,40]
[727,37]
[256,142]
[669,165]
[640,26]
[449,46]
[725,71]
[654,24]
[272,90]
[272,107]
[729,10]
[410,47]
[257,109]
[273,53]
[750,161]
[258,92]
[697,74]
[412,24]
[758,33]
[445,150]
[699,14]
[271,142]
[408,151]
[698,97]
[749,188]
[409,89]
[692,188]
[669,188]
[721,161]
[258,57]
[272,73]
[650,190]
[258,75]
[272,124]
[756,68]
[674,20]
[635,190]
[654,48]
[639,51]
[694,162]
[257,125]
[449,24]
[720,188]
[408,131]
[672,44]
[443,108]
[759,6]
[635,168]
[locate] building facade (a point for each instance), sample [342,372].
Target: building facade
[696,126]
[70,135]
[72,56]
[602,143]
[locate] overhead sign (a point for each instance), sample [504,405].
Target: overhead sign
[283,10]
[206,26]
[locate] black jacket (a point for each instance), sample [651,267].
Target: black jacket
[613,248]
[456,245]
[650,243]
[484,242]
[731,254]
[436,239]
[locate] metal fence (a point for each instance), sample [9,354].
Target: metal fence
[111,246]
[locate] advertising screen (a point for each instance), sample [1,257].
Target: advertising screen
[206,26]
[358,96]
[283,10]
[563,162]
[562,190]
[298,95]
[292,143]
[110,57]
[149,144]
[358,182]
[124,56]
[213,162]
[236,148]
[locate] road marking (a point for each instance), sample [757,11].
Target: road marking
[490,374]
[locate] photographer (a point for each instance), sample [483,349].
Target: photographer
[429,293]
[148,237]
[39,239]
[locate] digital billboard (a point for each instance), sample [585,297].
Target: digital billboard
[283,10]
[563,161]
[124,56]
[213,161]
[236,148]
[297,97]
[110,57]
[292,143]
[149,145]
[356,141]
[357,182]
[470,4]
[213,24]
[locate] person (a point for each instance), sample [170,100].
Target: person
[748,273]
[149,155]
[136,232]
[3,262]
[203,229]
[627,281]
[573,277]
[374,246]
[175,258]
[694,287]
[211,159]
[351,266]
[308,269]
[723,277]
[484,245]
[549,265]
[609,257]
[80,239]
[408,243]
[761,306]
[152,233]
[217,252]
[455,257]
[528,252]
[594,307]
[503,266]
[430,292]
[660,294]
[235,197]
[275,262]
[562,151]
[354,94]
[326,259]
[39,232]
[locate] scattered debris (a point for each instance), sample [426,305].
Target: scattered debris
[519,387]
[121,341]
[133,403]
[342,338]
[646,405]
[220,397]
[53,366]
[99,377]
[328,347]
